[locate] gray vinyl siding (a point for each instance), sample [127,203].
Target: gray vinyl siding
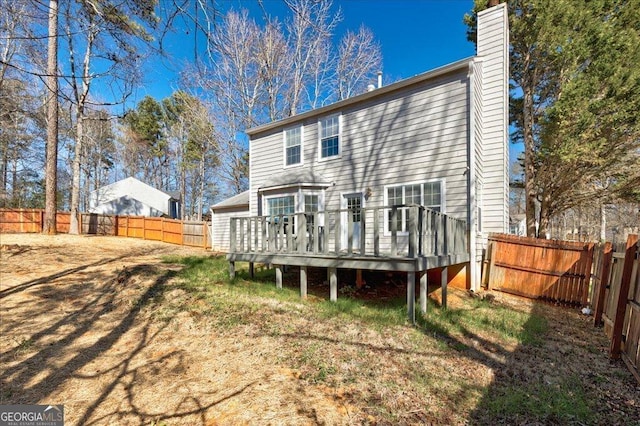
[493,49]
[221,226]
[415,134]
[478,124]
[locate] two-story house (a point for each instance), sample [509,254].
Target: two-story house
[407,177]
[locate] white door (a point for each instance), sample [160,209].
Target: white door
[351,219]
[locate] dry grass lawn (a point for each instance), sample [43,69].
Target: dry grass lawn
[108,327]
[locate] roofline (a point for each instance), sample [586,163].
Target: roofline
[221,204]
[462,64]
[230,207]
[296,185]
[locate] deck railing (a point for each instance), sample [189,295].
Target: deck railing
[396,231]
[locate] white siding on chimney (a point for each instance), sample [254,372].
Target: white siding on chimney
[493,48]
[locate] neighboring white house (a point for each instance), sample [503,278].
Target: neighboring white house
[131,197]
[236,206]
[438,140]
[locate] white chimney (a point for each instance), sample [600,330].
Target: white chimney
[379,79]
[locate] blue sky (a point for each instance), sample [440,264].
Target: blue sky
[415,36]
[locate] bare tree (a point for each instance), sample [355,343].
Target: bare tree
[310,30]
[51,165]
[359,58]
[257,74]
[275,64]
[190,127]
[108,32]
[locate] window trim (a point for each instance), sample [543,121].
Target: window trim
[266,200]
[284,146]
[298,195]
[340,141]
[443,192]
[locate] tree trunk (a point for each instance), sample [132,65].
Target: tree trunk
[545,219]
[51,165]
[201,198]
[183,190]
[75,183]
[529,166]
[4,168]
[603,223]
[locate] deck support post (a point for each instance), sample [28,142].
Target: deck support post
[252,271]
[359,281]
[303,282]
[232,270]
[278,276]
[443,283]
[423,292]
[333,284]
[411,296]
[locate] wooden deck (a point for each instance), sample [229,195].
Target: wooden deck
[403,238]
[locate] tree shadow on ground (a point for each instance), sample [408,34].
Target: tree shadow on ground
[558,373]
[562,377]
[91,312]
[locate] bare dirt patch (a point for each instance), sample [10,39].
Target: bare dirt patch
[101,325]
[78,329]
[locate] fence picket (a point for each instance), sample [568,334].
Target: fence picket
[157,229]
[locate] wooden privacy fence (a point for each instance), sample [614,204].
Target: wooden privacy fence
[188,233]
[193,234]
[616,300]
[30,220]
[552,270]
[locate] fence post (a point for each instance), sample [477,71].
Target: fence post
[205,234]
[41,220]
[162,229]
[376,233]
[587,274]
[394,231]
[363,231]
[623,296]
[337,231]
[603,282]
[232,235]
[490,269]
[413,237]
[445,238]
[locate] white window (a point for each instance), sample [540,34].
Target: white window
[281,205]
[311,205]
[293,146]
[330,136]
[428,194]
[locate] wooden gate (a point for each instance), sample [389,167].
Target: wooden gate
[552,270]
[617,301]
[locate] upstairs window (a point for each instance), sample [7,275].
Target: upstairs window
[293,146]
[330,136]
